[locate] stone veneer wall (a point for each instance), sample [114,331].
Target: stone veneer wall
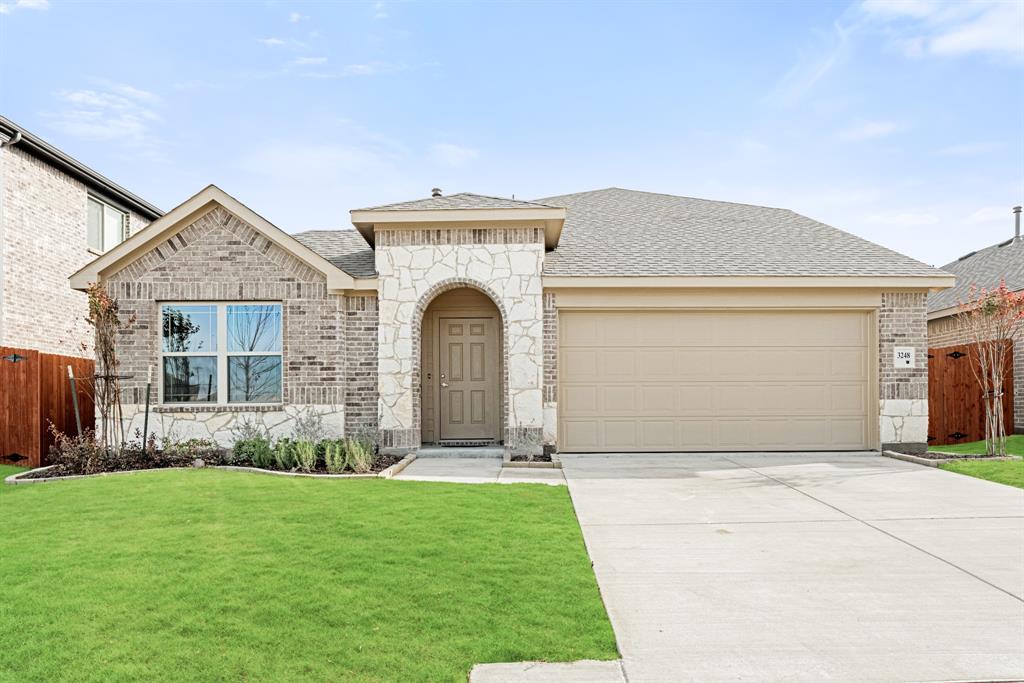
[43,241]
[945,332]
[219,257]
[903,392]
[550,370]
[414,265]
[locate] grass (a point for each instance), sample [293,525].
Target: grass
[1003,471]
[210,575]
[8,470]
[1014,446]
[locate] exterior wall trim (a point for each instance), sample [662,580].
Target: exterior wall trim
[926,283]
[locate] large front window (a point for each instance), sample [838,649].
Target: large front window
[221,353]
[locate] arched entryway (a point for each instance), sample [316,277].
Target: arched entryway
[462,369]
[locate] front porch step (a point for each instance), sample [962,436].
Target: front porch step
[461,452]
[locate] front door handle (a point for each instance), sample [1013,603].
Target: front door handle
[444,385]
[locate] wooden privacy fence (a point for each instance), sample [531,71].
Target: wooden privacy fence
[956,413]
[35,392]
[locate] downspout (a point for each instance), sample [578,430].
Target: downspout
[10,142]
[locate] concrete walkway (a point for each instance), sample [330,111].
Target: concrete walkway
[478,471]
[807,567]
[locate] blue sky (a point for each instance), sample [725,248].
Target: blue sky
[898,121]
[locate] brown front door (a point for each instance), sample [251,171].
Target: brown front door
[469,379]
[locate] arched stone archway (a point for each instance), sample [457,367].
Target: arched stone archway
[429,297]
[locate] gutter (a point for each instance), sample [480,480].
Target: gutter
[40,148]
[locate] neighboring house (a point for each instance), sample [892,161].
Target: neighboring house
[56,215]
[612,320]
[983,268]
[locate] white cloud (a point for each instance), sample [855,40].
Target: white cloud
[270,42]
[307,61]
[869,130]
[11,7]
[813,65]
[928,28]
[115,112]
[453,155]
[295,17]
[967,149]
[380,11]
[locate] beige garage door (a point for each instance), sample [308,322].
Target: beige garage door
[713,380]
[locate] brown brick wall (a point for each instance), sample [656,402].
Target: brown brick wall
[361,364]
[550,348]
[902,321]
[221,258]
[43,242]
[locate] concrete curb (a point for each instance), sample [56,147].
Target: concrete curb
[929,462]
[22,477]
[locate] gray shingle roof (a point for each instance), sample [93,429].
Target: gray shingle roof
[983,268]
[346,249]
[462,200]
[616,232]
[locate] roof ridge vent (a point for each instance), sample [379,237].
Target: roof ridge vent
[435,192]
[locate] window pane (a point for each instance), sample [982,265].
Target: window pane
[113,227]
[189,328]
[94,229]
[254,328]
[254,379]
[190,379]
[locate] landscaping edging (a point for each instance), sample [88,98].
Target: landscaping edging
[935,462]
[387,473]
[507,461]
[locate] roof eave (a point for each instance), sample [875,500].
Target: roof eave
[76,169]
[927,283]
[183,215]
[553,219]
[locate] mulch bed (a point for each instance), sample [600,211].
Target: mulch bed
[546,457]
[934,455]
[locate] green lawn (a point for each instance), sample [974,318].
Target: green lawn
[1003,471]
[8,470]
[1014,446]
[211,575]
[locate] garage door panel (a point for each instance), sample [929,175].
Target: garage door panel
[713,380]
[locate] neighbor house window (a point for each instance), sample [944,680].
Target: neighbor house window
[221,353]
[106,225]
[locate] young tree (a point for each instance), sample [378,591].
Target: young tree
[105,320]
[992,320]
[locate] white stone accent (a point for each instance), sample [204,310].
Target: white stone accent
[511,271]
[903,421]
[550,423]
[222,426]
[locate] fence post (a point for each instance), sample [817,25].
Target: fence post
[74,400]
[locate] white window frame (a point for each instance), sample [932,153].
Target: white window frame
[104,247]
[221,353]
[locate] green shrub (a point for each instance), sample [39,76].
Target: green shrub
[359,454]
[254,451]
[305,455]
[183,453]
[284,455]
[334,455]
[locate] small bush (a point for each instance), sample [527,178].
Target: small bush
[184,453]
[255,451]
[309,426]
[76,454]
[334,456]
[359,454]
[305,455]
[284,455]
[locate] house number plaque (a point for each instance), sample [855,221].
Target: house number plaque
[903,357]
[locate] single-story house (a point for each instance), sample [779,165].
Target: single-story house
[1003,262]
[603,321]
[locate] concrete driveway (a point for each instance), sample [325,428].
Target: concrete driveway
[849,567]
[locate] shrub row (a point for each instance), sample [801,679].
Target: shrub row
[335,456]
